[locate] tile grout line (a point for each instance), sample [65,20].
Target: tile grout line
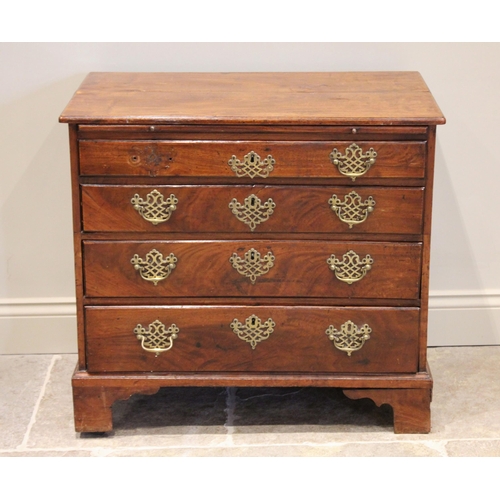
[439,445]
[23,445]
[247,445]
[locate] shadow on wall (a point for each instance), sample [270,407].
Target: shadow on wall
[456,316]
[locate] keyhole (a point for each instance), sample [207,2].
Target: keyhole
[252,158]
[252,201]
[253,321]
[252,255]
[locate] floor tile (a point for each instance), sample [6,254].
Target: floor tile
[466,398]
[172,417]
[474,448]
[229,422]
[21,380]
[299,450]
[47,453]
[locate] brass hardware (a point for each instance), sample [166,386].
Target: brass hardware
[252,265]
[154,267]
[155,208]
[353,163]
[352,210]
[351,268]
[157,337]
[350,338]
[253,330]
[253,211]
[251,165]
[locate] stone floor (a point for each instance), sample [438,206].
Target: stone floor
[36,416]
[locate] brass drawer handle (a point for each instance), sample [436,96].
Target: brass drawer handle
[350,338]
[252,165]
[155,208]
[154,267]
[253,211]
[157,337]
[352,210]
[253,264]
[254,330]
[351,268]
[353,163]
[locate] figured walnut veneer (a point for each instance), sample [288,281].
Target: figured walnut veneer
[239,176]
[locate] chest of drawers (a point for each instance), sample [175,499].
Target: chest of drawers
[266,229]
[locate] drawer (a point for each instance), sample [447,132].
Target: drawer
[258,209]
[263,159]
[252,339]
[252,269]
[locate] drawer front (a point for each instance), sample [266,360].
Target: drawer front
[264,160]
[257,209]
[252,269]
[252,339]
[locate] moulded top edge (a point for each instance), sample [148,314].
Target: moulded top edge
[379,98]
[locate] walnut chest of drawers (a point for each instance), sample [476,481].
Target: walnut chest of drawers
[252,229]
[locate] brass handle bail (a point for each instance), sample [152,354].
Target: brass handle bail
[156,337]
[351,268]
[353,163]
[155,208]
[352,210]
[154,267]
[349,338]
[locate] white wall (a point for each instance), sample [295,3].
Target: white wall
[36,255]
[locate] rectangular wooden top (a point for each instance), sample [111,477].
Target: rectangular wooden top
[364,98]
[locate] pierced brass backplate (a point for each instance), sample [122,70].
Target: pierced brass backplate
[253,211]
[155,208]
[353,163]
[154,267]
[157,337]
[253,331]
[351,268]
[350,338]
[252,265]
[352,210]
[252,165]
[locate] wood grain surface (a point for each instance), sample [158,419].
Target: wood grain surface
[371,98]
[131,133]
[210,158]
[300,269]
[205,209]
[207,343]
